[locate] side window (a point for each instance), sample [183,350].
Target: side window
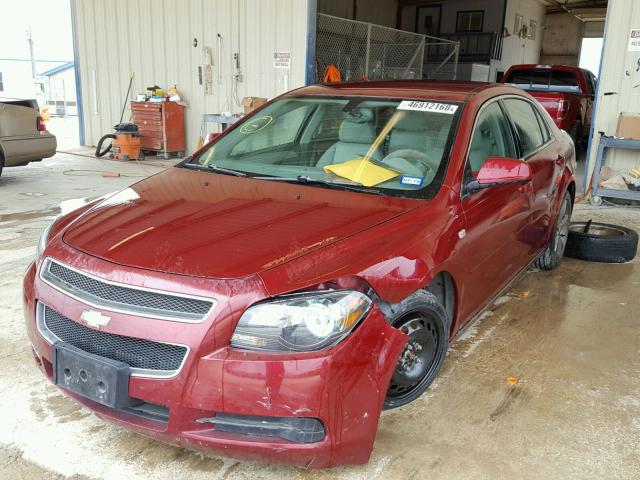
[588,80]
[491,137]
[524,118]
[546,134]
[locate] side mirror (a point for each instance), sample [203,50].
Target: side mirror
[497,171]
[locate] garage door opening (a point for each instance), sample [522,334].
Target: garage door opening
[591,54]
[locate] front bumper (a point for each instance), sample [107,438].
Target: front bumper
[342,387]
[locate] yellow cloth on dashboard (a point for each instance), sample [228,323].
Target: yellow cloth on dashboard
[362,171]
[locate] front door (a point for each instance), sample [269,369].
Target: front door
[494,216]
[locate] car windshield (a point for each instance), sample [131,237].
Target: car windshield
[385,146]
[544,79]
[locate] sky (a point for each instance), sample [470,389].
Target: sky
[50,23]
[590,54]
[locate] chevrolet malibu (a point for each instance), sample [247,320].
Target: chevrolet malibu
[270,295]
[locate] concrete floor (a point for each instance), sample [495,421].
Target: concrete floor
[569,338]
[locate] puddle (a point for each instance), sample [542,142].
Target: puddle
[33,194]
[31,214]
[65,207]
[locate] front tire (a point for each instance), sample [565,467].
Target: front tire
[424,320]
[552,256]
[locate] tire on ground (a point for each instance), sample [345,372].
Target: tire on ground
[601,243]
[420,305]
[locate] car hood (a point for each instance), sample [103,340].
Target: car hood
[204,224]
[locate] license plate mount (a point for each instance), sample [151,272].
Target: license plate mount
[100,379]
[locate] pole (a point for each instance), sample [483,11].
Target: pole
[33,59]
[366,64]
[126,99]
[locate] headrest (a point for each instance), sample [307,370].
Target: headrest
[357,126]
[416,122]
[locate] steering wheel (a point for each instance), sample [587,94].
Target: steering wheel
[420,161]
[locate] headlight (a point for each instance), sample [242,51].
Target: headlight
[44,240]
[299,323]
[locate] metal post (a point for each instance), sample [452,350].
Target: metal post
[366,60]
[455,61]
[31,55]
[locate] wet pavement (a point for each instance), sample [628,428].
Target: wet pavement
[545,385]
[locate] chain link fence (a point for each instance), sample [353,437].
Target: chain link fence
[364,51]
[440,58]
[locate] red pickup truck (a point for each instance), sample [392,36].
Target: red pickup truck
[565,92]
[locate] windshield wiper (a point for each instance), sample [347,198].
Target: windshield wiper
[214,168]
[312,181]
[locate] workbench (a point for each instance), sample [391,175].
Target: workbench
[598,192]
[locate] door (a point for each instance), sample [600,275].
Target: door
[491,248]
[428,20]
[540,150]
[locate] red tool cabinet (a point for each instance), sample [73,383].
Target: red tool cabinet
[161,126]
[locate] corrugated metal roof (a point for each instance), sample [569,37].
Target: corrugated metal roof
[58,69]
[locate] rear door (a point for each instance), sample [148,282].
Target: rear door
[538,147]
[494,216]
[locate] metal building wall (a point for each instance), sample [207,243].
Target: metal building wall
[619,81]
[154,39]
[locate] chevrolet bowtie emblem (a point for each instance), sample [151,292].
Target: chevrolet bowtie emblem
[94,319]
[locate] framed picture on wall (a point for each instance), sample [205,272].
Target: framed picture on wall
[533,28]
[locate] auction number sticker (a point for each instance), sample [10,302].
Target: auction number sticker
[428,106]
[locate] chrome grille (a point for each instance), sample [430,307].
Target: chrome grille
[103,294]
[145,357]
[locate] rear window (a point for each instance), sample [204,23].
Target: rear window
[544,79]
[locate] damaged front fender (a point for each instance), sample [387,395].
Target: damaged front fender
[344,387]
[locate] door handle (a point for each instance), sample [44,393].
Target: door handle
[560,160]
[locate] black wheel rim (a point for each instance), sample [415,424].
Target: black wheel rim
[418,358]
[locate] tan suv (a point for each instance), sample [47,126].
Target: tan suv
[23,135]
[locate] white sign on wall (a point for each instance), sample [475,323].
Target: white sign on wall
[634,40]
[282,60]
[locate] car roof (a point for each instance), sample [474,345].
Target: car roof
[453,91]
[541,66]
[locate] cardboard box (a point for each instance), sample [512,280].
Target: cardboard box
[628,126]
[251,103]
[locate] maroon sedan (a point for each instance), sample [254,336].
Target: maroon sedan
[270,295]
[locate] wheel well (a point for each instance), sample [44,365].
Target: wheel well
[572,191]
[443,287]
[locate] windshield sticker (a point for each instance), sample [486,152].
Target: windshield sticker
[428,107]
[412,181]
[256,124]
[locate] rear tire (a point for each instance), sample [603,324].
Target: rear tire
[425,321]
[552,256]
[1,163]
[602,242]
[577,135]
